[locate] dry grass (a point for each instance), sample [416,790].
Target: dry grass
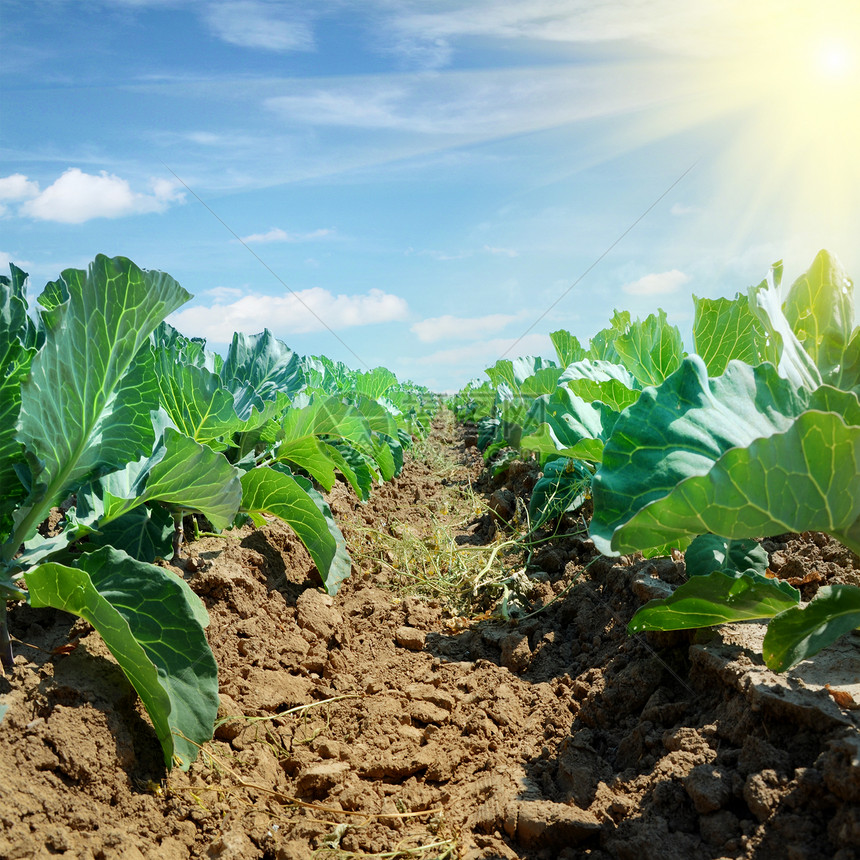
[436,566]
[471,580]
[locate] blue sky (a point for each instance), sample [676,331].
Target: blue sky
[429,177]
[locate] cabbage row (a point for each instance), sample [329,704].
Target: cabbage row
[754,434]
[127,426]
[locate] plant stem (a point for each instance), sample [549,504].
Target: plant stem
[177,537]
[6,656]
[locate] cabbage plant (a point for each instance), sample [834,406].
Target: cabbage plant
[287,424]
[81,422]
[127,425]
[565,412]
[743,450]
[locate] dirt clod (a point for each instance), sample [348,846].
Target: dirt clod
[410,638]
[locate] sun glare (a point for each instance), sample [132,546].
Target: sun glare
[787,84]
[836,61]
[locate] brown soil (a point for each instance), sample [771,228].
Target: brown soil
[427,735]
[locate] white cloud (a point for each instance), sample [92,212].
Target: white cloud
[205,138]
[77,197]
[276,234]
[421,32]
[442,256]
[372,105]
[221,295]
[166,189]
[294,313]
[657,284]
[485,353]
[460,328]
[477,103]
[501,252]
[223,139]
[17,187]
[254,24]
[421,113]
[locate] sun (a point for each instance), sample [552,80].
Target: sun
[787,87]
[775,85]
[836,60]
[764,95]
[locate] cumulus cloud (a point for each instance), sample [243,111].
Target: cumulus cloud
[293,313]
[657,284]
[460,328]
[77,197]
[253,24]
[17,187]
[276,234]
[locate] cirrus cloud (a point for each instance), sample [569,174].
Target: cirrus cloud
[430,31]
[471,103]
[251,24]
